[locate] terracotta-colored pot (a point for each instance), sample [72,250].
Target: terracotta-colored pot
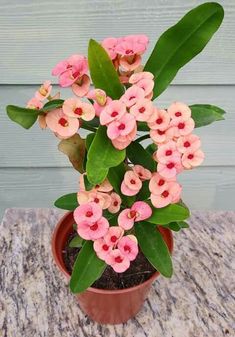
[105,306]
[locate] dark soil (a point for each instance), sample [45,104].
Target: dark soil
[140,270]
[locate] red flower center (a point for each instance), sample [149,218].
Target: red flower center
[132,97]
[190,156]
[89,214]
[181,125]
[129,51]
[132,214]
[170,165]
[94,227]
[63,122]
[132,181]
[127,248]
[78,111]
[96,200]
[186,144]
[178,114]
[161,182]
[168,153]
[160,132]
[76,74]
[122,126]
[114,114]
[113,238]
[118,259]
[105,247]
[115,203]
[159,121]
[165,194]
[142,109]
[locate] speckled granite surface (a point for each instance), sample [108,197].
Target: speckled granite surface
[198,301]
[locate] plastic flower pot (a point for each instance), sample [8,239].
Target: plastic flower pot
[105,306]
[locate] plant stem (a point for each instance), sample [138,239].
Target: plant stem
[87,127]
[142,138]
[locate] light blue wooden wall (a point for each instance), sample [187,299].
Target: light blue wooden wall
[34,35]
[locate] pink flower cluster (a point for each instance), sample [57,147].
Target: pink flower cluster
[110,243]
[121,116]
[125,52]
[40,95]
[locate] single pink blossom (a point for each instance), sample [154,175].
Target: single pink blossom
[143,75]
[158,183]
[166,152]
[102,199]
[159,120]
[139,211]
[121,127]
[142,173]
[34,103]
[90,212]
[147,85]
[115,203]
[182,127]
[101,248]
[171,194]
[128,246]
[112,112]
[109,44]
[61,124]
[178,110]
[93,230]
[105,186]
[129,47]
[170,168]
[82,85]
[44,91]
[142,110]
[159,136]
[132,95]
[192,159]
[74,107]
[188,143]
[131,184]
[130,63]
[113,235]
[122,142]
[118,261]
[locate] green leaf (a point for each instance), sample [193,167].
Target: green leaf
[182,42]
[144,193]
[23,116]
[103,73]
[204,114]
[170,213]
[89,140]
[151,148]
[67,201]
[76,242]
[154,247]
[87,269]
[101,156]
[138,155]
[142,126]
[176,226]
[52,105]
[88,185]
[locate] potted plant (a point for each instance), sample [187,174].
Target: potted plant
[117,237]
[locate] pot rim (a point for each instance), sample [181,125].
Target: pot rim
[91,289]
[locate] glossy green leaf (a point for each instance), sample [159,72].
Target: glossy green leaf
[23,116]
[144,193]
[170,213]
[52,105]
[103,73]
[182,42]
[204,114]
[88,185]
[142,126]
[151,148]
[101,156]
[76,242]
[176,226]
[154,247]
[138,155]
[87,269]
[67,201]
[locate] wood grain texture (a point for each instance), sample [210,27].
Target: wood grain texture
[204,188]
[35,35]
[37,148]
[197,301]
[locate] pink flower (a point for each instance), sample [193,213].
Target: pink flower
[144,75]
[105,186]
[171,194]
[170,168]
[90,212]
[102,199]
[109,44]
[128,246]
[121,127]
[131,45]
[142,110]
[131,184]
[118,261]
[61,124]
[70,70]
[34,103]
[141,172]
[130,63]
[166,152]
[74,107]
[122,142]
[113,235]
[139,211]
[188,143]
[112,112]
[159,136]
[178,110]
[115,203]
[132,95]
[101,248]
[98,95]
[81,87]
[182,127]
[192,159]
[159,120]
[93,230]
[42,121]
[44,91]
